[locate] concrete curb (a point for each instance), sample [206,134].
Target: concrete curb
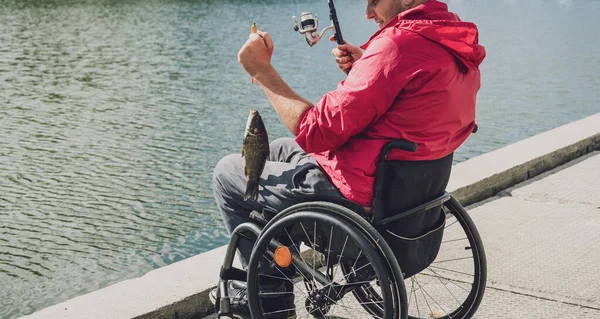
[486,175]
[193,307]
[181,290]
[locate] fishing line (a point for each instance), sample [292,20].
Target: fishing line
[295,6]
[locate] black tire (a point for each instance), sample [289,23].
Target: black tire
[360,236]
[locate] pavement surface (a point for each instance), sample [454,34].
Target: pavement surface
[541,240]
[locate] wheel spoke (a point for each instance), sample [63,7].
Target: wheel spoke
[450,225]
[340,259]
[279,311]
[423,293]
[445,286]
[314,249]
[299,254]
[329,247]
[271,276]
[314,246]
[275,293]
[453,259]
[414,292]
[335,272]
[451,270]
[286,277]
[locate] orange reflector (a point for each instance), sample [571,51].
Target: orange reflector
[282,256]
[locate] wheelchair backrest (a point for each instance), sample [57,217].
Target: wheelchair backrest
[403,185]
[413,191]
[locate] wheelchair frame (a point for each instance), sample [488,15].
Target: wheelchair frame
[355,216]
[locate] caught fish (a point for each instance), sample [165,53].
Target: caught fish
[255,151]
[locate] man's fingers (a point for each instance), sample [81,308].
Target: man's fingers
[254,36]
[265,38]
[268,40]
[344,66]
[339,53]
[344,59]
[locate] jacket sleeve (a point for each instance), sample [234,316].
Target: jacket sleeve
[359,101]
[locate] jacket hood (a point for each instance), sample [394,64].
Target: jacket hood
[433,21]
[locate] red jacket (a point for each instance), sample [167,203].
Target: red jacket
[417,80]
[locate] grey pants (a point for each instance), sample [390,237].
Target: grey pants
[291,176]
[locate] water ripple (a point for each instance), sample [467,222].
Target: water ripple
[113,115]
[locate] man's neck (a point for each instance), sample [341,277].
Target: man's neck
[407,5]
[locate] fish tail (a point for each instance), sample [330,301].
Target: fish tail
[251,190]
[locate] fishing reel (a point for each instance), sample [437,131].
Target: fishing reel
[309,25]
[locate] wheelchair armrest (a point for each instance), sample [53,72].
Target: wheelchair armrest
[404,145]
[396,144]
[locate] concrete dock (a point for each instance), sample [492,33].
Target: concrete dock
[541,239]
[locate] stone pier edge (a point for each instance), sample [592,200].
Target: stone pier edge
[180,290]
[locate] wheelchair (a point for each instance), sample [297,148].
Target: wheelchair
[427,261]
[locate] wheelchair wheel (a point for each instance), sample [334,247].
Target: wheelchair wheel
[339,238]
[453,285]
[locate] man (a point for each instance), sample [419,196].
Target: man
[416,79]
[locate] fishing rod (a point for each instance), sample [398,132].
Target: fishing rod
[309,25]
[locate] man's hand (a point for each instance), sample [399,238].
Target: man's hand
[255,55]
[345,54]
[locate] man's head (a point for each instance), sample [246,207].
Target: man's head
[382,11]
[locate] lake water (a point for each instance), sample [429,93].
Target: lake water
[114,113]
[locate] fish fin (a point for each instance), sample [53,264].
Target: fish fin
[243,152]
[246,171]
[251,190]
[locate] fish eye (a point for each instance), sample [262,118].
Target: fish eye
[255,130]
